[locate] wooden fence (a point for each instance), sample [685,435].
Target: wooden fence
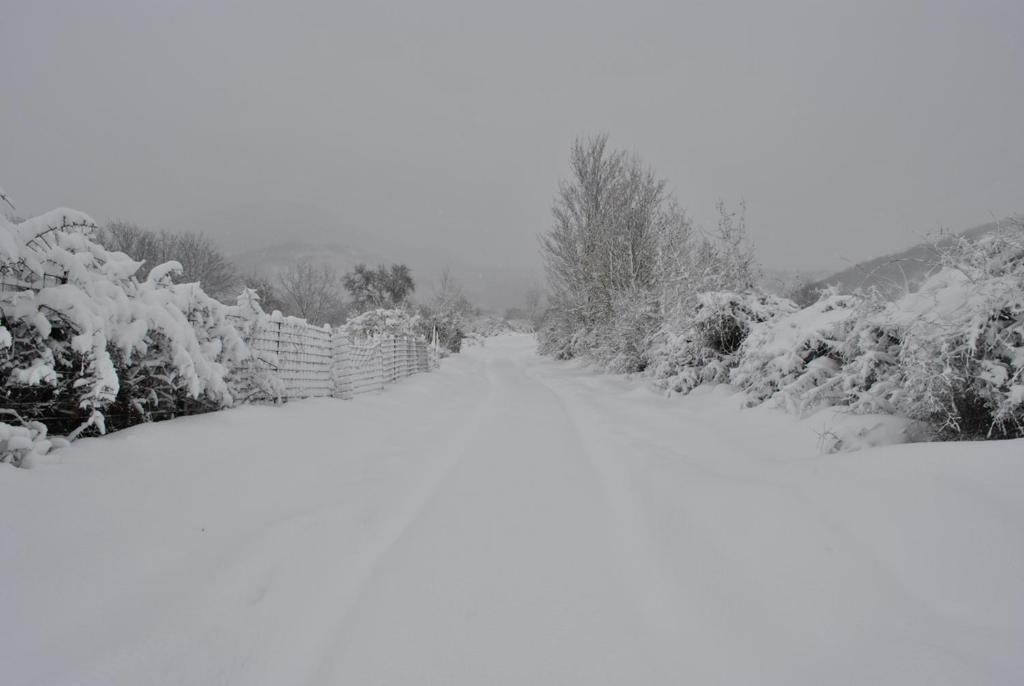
[311,361]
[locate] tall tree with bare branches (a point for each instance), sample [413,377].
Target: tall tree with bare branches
[311,290]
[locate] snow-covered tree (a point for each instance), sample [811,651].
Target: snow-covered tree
[612,219]
[380,288]
[448,314]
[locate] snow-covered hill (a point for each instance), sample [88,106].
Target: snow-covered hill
[784,281]
[899,273]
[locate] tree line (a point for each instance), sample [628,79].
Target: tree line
[312,290]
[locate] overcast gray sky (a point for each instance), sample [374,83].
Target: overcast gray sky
[850,128]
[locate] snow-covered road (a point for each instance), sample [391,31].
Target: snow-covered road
[511,520]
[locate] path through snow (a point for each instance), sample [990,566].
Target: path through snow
[511,520]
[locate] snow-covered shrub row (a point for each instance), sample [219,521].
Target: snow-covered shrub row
[486,325]
[84,345]
[797,356]
[706,345]
[951,353]
[633,287]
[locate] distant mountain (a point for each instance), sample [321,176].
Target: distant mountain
[898,273]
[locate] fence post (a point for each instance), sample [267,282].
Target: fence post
[394,359]
[398,360]
[276,318]
[339,365]
[406,362]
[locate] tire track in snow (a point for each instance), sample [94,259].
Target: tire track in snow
[455,445]
[657,588]
[733,605]
[508,575]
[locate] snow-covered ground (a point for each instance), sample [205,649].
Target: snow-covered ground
[511,520]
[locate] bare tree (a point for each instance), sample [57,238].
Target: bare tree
[133,240]
[450,297]
[311,290]
[268,290]
[736,253]
[202,262]
[534,309]
[200,258]
[448,313]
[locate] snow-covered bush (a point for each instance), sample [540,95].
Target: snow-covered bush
[960,360]
[559,335]
[486,325]
[84,344]
[702,347]
[520,325]
[870,376]
[20,441]
[620,342]
[449,315]
[381,323]
[623,346]
[796,357]
[254,378]
[181,365]
[449,330]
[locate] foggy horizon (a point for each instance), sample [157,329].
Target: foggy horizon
[849,132]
